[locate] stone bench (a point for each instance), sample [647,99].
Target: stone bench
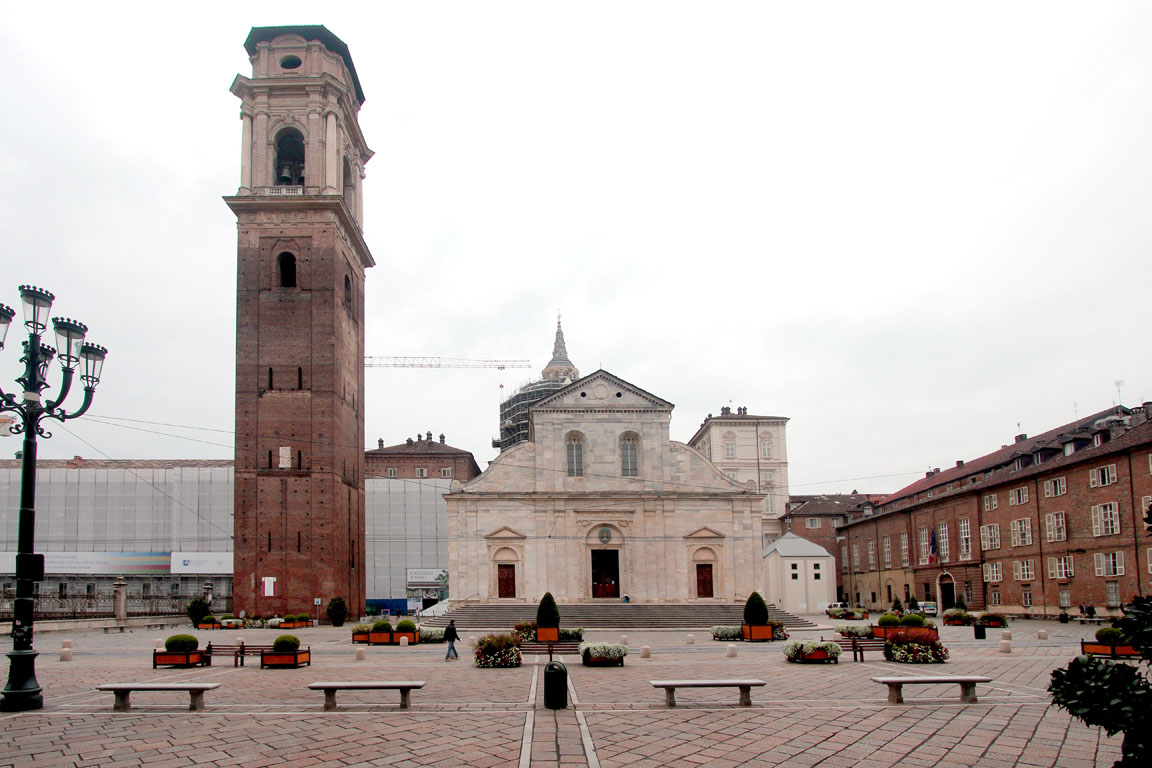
[1092,619]
[670,687]
[122,691]
[330,688]
[111,627]
[967,685]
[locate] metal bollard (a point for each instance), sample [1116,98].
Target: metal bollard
[731,653]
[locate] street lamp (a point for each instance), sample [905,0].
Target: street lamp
[22,692]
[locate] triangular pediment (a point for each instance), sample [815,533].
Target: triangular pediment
[504,532]
[602,390]
[705,533]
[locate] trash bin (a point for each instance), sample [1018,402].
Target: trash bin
[979,631]
[555,685]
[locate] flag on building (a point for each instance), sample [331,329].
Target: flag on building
[932,548]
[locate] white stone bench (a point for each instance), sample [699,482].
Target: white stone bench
[967,685]
[108,628]
[670,687]
[330,688]
[122,691]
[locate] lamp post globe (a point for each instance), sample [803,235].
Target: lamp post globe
[30,409]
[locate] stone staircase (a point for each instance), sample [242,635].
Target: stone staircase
[503,616]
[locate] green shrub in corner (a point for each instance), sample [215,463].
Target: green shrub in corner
[405,625]
[1110,635]
[382,626]
[197,610]
[888,620]
[755,610]
[181,644]
[286,644]
[912,620]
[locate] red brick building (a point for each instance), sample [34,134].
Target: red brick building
[421,458]
[1048,522]
[819,517]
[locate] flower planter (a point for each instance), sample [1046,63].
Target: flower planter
[181,659]
[908,633]
[288,659]
[207,626]
[757,633]
[815,657]
[954,622]
[1109,650]
[547,634]
[602,661]
[361,637]
[995,624]
[379,638]
[413,637]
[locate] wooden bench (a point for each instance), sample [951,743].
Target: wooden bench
[122,691]
[967,685]
[237,652]
[670,687]
[330,688]
[861,644]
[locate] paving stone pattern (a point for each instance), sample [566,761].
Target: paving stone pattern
[808,715]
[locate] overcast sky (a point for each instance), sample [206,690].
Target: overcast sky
[909,228]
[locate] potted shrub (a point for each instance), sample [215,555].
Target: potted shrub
[885,624]
[812,652]
[913,626]
[228,621]
[286,653]
[380,633]
[957,617]
[360,632]
[1110,642]
[406,628]
[208,622]
[603,654]
[722,632]
[337,611]
[181,651]
[547,620]
[756,627]
[993,620]
[571,635]
[525,630]
[497,651]
[915,651]
[198,608]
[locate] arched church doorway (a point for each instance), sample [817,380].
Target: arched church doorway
[946,589]
[505,561]
[604,544]
[704,562]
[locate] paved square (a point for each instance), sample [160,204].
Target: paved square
[808,715]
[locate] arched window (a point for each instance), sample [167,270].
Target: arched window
[575,454]
[629,466]
[349,187]
[348,292]
[286,270]
[289,170]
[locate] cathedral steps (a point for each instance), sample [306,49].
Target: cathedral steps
[502,617]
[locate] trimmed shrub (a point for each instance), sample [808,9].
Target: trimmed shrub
[227,616]
[912,620]
[888,620]
[209,620]
[406,625]
[1110,635]
[286,644]
[721,632]
[304,618]
[986,618]
[547,614]
[382,626]
[337,611]
[198,609]
[755,610]
[571,635]
[181,644]
[497,651]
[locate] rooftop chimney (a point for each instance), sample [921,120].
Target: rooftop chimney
[725,411]
[409,441]
[441,438]
[1021,438]
[380,442]
[429,435]
[959,462]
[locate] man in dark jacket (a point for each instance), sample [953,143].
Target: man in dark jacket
[451,635]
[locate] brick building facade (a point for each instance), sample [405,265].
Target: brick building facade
[421,458]
[1046,523]
[819,517]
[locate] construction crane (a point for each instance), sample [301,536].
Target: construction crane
[442,362]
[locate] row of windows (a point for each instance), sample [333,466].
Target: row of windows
[730,447]
[629,455]
[1058,486]
[1105,564]
[420,472]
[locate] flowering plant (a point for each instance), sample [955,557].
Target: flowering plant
[855,630]
[497,651]
[915,652]
[605,650]
[722,632]
[798,649]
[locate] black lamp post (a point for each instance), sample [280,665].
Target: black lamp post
[22,692]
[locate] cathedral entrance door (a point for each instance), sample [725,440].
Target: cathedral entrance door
[703,579]
[507,580]
[605,573]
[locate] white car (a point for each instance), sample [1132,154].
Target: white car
[928,608]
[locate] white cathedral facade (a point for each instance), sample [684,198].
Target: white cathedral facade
[600,503]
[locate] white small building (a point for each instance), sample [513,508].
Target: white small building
[800,576]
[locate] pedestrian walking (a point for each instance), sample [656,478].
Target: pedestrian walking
[451,635]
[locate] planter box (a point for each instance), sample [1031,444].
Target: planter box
[815,657]
[207,626]
[954,622]
[911,633]
[413,637]
[995,624]
[547,634]
[379,638]
[1110,650]
[757,632]
[181,659]
[361,637]
[291,659]
[602,661]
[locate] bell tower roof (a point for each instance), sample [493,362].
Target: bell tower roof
[308,32]
[560,367]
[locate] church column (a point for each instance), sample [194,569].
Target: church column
[260,159]
[331,156]
[246,154]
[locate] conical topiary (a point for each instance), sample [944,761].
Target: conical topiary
[755,610]
[547,614]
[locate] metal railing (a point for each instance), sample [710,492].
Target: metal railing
[285,190]
[99,605]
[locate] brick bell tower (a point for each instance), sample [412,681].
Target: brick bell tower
[299,476]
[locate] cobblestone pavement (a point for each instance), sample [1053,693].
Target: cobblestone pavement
[807,715]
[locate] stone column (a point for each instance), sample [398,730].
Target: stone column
[120,599]
[246,154]
[261,163]
[331,156]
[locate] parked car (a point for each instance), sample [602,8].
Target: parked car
[928,608]
[837,606]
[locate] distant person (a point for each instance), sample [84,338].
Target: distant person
[451,635]
[627,599]
[1083,610]
[1091,612]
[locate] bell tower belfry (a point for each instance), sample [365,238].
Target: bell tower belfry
[299,471]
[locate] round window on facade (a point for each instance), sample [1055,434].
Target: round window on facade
[290,62]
